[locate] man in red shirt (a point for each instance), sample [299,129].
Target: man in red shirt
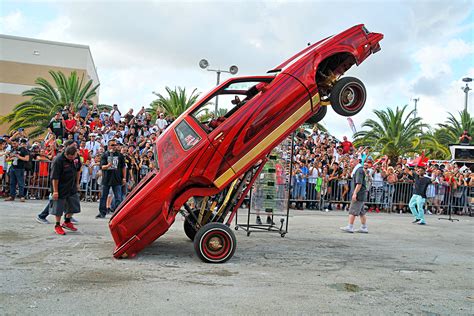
[346,145]
[95,123]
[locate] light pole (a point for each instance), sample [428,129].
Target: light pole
[416,102]
[203,63]
[466,90]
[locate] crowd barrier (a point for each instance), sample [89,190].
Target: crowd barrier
[381,195]
[38,183]
[313,193]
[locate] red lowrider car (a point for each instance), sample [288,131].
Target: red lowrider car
[213,160]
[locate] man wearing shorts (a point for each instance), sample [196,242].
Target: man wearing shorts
[65,176]
[41,217]
[359,196]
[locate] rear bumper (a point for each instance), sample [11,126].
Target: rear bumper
[129,247]
[140,219]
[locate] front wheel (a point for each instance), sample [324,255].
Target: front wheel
[348,96]
[215,243]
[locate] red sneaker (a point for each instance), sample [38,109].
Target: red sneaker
[69,226]
[377,210]
[59,230]
[371,209]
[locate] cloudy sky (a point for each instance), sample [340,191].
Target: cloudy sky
[143,46]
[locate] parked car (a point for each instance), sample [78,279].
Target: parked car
[209,157]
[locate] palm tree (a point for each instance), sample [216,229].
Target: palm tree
[47,99]
[449,132]
[175,103]
[434,149]
[394,134]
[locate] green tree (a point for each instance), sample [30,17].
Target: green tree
[394,133]
[47,99]
[449,132]
[433,148]
[175,103]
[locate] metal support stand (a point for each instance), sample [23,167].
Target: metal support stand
[280,227]
[449,215]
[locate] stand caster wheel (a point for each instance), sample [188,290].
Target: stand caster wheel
[283,235]
[236,227]
[248,234]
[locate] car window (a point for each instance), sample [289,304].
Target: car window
[246,85]
[223,104]
[186,135]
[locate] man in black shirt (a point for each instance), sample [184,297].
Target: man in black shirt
[41,217]
[65,177]
[418,199]
[18,156]
[56,126]
[114,176]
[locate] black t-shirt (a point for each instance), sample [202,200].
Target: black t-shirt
[465,139]
[421,184]
[301,135]
[65,171]
[113,175]
[18,163]
[57,128]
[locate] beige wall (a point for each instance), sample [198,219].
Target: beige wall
[7,102]
[26,74]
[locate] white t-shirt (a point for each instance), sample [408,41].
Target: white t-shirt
[2,158]
[93,147]
[377,179]
[161,123]
[313,175]
[116,116]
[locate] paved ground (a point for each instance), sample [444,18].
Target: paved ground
[399,268]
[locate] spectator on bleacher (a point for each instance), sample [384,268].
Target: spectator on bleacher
[56,126]
[346,145]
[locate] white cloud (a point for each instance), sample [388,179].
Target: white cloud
[435,60]
[57,30]
[13,22]
[143,46]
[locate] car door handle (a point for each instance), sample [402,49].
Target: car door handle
[219,138]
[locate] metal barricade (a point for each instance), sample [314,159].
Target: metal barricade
[313,193]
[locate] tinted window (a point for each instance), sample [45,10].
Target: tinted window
[186,135]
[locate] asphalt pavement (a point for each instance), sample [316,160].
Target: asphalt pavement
[398,268]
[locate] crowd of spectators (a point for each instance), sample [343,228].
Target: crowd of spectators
[321,169]
[322,172]
[91,129]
